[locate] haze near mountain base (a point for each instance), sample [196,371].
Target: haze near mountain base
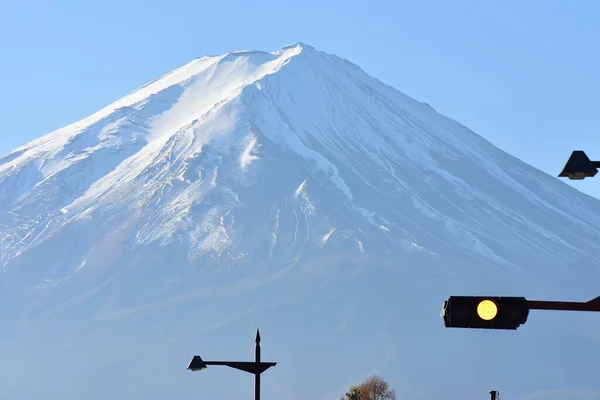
[292,192]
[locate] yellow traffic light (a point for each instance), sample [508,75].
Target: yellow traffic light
[487,310]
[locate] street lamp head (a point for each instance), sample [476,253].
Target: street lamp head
[196,364]
[579,166]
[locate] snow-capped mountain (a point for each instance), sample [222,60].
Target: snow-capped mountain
[293,192]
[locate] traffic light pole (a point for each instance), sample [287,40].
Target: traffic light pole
[592,305]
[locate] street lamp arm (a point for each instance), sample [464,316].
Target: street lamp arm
[253,367]
[250,367]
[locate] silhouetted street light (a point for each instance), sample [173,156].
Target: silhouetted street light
[256,367]
[579,166]
[481,312]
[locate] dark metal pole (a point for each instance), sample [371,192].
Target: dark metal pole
[256,386]
[592,305]
[493,394]
[257,361]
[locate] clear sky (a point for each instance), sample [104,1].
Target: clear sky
[523,74]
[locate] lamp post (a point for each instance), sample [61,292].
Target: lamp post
[255,367]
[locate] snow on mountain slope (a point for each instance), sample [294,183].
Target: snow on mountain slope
[254,181]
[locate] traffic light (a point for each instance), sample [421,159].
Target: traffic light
[478,312]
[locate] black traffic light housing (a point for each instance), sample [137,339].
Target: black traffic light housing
[500,313]
[579,166]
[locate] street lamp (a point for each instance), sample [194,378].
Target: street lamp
[480,312]
[255,367]
[579,166]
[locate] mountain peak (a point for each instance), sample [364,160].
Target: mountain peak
[298,44]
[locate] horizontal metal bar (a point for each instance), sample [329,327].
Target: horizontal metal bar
[563,305]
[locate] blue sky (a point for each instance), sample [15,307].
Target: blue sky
[523,74]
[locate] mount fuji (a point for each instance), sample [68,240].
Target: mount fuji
[291,192]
